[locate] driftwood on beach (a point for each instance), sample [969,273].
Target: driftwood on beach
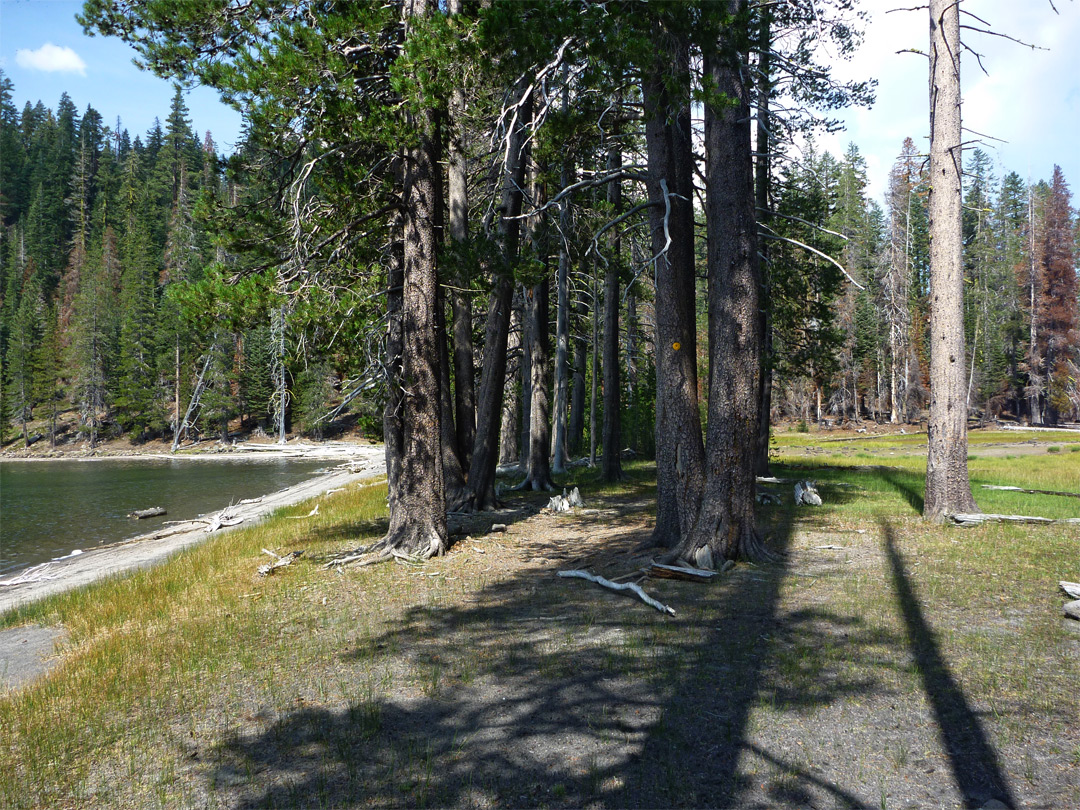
[153,511]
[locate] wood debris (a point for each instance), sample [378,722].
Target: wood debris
[1032,491]
[974,519]
[279,561]
[683,572]
[619,586]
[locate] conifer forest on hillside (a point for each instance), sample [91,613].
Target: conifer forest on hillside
[498,231]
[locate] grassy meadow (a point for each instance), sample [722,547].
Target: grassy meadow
[883,662]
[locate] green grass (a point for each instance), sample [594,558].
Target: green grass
[168,672]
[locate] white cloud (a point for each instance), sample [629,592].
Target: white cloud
[51,59]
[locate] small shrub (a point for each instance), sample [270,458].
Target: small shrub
[802,427]
[1056,448]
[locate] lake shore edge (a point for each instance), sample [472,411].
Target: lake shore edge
[359,463]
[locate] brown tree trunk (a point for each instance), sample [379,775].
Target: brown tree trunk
[576,428]
[725,520]
[460,300]
[610,464]
[679,448]
[418,519]
[509,436]
[481,480]
[948,490]
[538,470]
[762,174]
[393,435]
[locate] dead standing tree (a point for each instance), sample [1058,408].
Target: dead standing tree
[948,489]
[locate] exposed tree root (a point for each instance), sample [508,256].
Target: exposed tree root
[390,549]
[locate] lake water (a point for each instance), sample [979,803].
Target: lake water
[49,508]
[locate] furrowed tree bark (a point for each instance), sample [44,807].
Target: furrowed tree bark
[538,471]
[509,436]
[460,301]
[762,177]
[418,521]
[725,521]
[948,489]
[453,470]
[610,464]
[393,435]
[679,449]
[481,481]
[576,428]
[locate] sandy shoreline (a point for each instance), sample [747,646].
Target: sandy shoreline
[358,462]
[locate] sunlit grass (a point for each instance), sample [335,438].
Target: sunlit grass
[164,667]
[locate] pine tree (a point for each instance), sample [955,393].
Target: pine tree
[23,373]
[1056,306]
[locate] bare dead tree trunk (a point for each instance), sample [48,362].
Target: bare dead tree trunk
[562,322]
[948,490]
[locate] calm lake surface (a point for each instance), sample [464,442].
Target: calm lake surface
[49,508]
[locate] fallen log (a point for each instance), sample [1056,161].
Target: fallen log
[1032,491]
[972,519]
[619,586]
[682,572]
[153,511]
[1072,589]
[279,562]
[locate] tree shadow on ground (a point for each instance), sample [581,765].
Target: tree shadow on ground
[974,761]
[537,691]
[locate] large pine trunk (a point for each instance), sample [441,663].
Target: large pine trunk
[948,490]
[679,449]
[418,513]
[725,520]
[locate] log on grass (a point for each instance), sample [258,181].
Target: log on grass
[1032,491]
[683,572]
[974,519]
[153,511]
[619,586]
[1071,588]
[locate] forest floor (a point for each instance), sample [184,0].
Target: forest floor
[883,663]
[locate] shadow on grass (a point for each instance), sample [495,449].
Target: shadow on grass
[547,692]
[973,759]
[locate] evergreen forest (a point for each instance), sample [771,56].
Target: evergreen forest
[162,291]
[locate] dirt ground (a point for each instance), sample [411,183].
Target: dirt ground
[767,689]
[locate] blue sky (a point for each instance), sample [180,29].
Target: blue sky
[1031,99]
[106,80]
